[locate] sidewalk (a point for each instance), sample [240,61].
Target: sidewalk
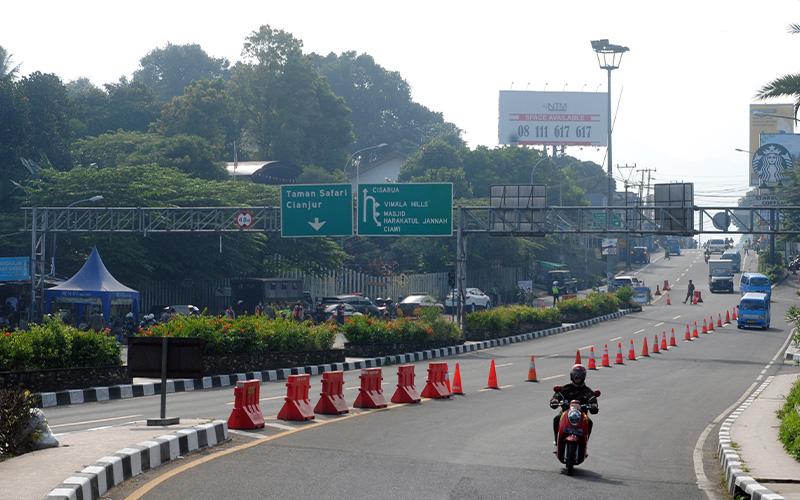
[755,433]
[33,475]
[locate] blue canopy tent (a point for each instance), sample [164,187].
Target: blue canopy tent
[92,286]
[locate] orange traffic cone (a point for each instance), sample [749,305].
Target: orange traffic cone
[619,360]
[687,336]
[658,292]
[666,285]
[694,331]
[532,371]
[719,320]
[669,302]
[710,324]
[457,389]
[605,362]
[727,317]
[632,351]
[656,350]
[645,351]
[492,383]
[734,317]
[664,341]
[447,381]
[672,341]
[705,327]
[578,357]
[592,362]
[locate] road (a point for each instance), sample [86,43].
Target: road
[498,443]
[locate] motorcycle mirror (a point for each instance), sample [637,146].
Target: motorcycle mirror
[597,394]
[557,388]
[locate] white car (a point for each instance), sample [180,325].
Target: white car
[474,299]
[716,246]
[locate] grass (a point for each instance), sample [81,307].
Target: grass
[789,415]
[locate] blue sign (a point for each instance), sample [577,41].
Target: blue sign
[15,268]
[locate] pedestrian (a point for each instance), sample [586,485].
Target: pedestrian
[340,313]
[259,310]
[229,314]
[689,292]
[556,292]
[269,311]
[96,321]
[297,312]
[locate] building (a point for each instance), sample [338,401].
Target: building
[264,172]
[385,168]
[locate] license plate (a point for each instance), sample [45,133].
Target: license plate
[576,432]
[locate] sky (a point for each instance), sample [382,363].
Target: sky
[682,91]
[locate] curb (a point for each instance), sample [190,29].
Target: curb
[94,480]
[730,460]
[94,394]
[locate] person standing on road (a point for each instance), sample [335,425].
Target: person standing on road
[689,292]
[555,291]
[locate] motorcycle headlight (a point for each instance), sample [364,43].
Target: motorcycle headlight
[574,417]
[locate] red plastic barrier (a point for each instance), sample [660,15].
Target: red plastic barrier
[331,401]
[246,412]
[406,392]
[435,387]
[297,405]
[370,394]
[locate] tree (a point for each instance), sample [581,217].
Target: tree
[290,111]
[14,134]
[48,112]
[190,154]
[382,110]
[434,155]
[205,110]
[7,69]
[786,85]
[131,106]
[90,108]
[169,70]
[461,186]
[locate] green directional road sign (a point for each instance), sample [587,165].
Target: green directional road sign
[416,209]
[316,210]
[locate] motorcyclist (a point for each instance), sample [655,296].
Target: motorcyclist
[575,391]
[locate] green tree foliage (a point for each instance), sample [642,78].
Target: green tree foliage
[8,70]
[382,110]
[48,112]
[436,154]
[205,110]
[131,106]
[90,108]
[785,85]
[14,133]
[167,71]
[190,154]
[290,111]
[461,186]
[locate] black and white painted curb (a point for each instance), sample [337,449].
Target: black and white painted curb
[730,460]
[94,480]
[78,396]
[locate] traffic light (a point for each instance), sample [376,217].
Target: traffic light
[451,279]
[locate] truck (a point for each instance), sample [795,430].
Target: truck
[720,275]
[247,292]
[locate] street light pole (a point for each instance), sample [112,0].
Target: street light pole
[536,165]
[609,57]
[350,159]
[94,199]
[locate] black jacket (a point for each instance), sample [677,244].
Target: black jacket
[582,394]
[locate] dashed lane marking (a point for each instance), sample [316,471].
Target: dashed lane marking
[658,324]
[553,376]
[615,339]
[638,331]
[676,317]
[503,364]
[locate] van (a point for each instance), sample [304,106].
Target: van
[716,246]
[753,311]
[755,282]
[735,257]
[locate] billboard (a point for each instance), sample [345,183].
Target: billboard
[675,201]
[770,119]
[15,268]
[553,118]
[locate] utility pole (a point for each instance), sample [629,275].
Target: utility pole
[626,180]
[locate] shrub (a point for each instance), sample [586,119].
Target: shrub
[53,344]
[430,328]
[593,305]
[509,320]
[625,297]
[15,413]
[789,432]
[248,334]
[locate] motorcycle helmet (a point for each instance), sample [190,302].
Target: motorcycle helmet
[577,375]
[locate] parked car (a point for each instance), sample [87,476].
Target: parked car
[474,299]
[361,304]
[623,281]
[411,305]
[640,255]
[330,311]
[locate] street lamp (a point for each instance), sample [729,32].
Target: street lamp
[543,158]
[357,162]
[94,199]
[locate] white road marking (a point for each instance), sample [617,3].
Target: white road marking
[279,426]
[585,347]
[553,376]
[93,421]
[247,434]
[677,280]
[638,331]
[504,364]
[658,324]
[551,356]
[615,339]
[99,428]
[676,317]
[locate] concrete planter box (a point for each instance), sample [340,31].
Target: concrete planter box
[220,364]
[60,379]
[378,350]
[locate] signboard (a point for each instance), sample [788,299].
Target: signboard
[768,118]
[679,196]
[415,209]
[608,246]
[790,141]
[517,208]
[560,118]
[243,219]
[771,163]
[15,268]
[309,210]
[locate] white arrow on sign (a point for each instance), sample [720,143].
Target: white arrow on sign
[316,225]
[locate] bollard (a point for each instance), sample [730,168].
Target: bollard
[246,413]
[331,401]
[296,404]
[406,392]
[370,394]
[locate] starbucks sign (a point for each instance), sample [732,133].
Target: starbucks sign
[770,163]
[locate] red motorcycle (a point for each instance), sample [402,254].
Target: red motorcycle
[573,430]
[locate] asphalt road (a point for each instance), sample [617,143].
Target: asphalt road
[497,443]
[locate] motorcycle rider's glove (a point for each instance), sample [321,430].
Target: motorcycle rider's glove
[593,409]
[554,403]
